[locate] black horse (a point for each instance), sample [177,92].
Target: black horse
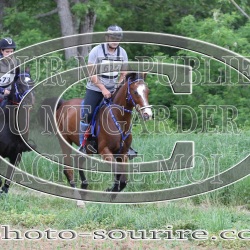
[11,143]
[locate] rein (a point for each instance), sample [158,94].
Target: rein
[108,103]
[19,96]
[129,97]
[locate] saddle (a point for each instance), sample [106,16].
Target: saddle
[93,131]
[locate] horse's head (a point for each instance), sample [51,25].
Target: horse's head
[21,89]
[138,94]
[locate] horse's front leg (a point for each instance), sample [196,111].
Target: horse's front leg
[5,187]
[108,156]
[14,160]
[122,178]
[80,160]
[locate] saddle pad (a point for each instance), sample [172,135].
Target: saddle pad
[82,110]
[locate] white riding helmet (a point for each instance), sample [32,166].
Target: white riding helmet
[114,31]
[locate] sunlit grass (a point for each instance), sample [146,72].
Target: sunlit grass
[24,208]
[229,148]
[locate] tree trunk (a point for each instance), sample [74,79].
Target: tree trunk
[1,15]
[3,4]
[86,26]
[67,27]
[71,25]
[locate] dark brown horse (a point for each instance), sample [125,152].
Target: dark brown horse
[11,143]
[113,123]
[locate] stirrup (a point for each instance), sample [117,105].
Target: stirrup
[82,149]
[132,153]
[92,149]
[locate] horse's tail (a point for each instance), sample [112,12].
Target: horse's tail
[45,112]
[52,102]
[61,101]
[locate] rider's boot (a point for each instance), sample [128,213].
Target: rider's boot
[83,136]
[4,102]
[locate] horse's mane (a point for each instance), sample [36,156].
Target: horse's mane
[134,75]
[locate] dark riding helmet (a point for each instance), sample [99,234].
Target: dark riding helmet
[7,43]
[114,31]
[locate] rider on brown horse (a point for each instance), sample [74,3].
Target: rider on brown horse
[101,86]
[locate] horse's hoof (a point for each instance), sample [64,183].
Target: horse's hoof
[5,190]
[82,149]
[84,185]
[112,190]
[80,203]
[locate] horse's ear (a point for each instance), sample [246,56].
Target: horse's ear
[132,75]
[144,75]
[17,71]
[27,70]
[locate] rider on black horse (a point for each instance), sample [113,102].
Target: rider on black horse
[8,73]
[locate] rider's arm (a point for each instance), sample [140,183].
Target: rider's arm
[95,80]
[122,77]
[124,67]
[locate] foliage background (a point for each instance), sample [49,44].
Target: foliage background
[215,21]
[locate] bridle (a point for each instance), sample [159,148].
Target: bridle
[109,104]
[19,96]
[129,96]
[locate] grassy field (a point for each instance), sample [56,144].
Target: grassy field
[224,209]
[229,148]
[25,209]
